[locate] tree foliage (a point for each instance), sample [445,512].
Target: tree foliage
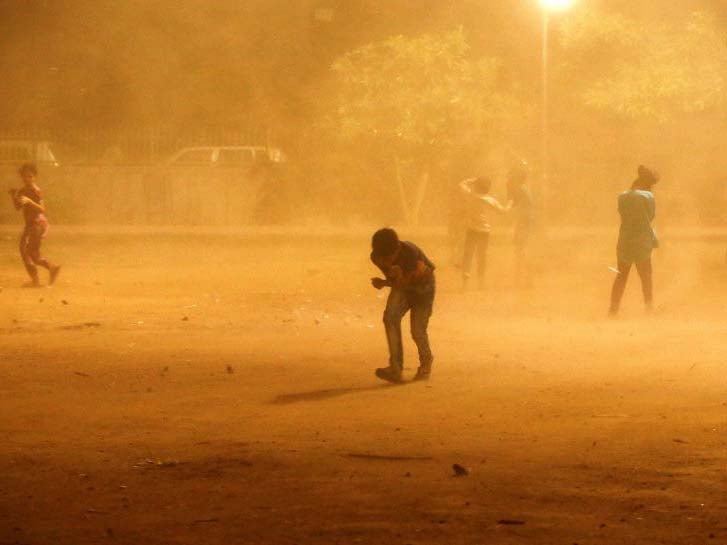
[417,92]
[420,101]
[636,71]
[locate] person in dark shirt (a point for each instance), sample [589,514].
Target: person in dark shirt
[410,275]
[29,199]
[520,195]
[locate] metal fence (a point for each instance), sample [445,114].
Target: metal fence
[149,195]
[133,145]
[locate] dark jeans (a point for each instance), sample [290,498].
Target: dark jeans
[619,284]
[30,241]
[475,242]
[420,303]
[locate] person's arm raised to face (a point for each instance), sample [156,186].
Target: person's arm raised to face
[377,282]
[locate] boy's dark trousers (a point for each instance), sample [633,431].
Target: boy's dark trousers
[476,242]
[30,241]
[419,301]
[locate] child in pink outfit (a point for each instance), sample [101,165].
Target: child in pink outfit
[29,199]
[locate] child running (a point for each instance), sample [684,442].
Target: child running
[636,238]
[480,205]
[410,275]
[29,199]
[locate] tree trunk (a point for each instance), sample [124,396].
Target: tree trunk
[420,194]
[402,192]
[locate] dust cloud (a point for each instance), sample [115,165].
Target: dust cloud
[202,371]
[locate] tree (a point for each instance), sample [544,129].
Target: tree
[641,72]
[419,98]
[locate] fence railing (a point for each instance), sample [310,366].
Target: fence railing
[152,195]
[137,146]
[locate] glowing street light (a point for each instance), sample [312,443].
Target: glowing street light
[556,5]
[548,6]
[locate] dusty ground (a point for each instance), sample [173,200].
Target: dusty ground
[218,388]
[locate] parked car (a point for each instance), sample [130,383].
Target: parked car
[16,152]
[226,156]
[258,193]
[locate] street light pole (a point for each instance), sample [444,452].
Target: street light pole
[544,120]
[547,6]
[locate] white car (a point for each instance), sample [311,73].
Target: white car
[226,156]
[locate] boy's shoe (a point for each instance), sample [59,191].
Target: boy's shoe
[423,373]
[389,374]
[54,274]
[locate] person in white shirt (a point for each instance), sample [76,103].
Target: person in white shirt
[480,208]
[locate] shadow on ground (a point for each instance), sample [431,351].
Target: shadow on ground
[322,395]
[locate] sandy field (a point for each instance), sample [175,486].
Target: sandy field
[184,387]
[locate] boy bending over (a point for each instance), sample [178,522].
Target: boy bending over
[410,275]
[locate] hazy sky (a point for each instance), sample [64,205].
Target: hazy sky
[130,62]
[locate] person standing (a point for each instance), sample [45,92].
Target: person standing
[410,275]
[636,238]
[479,210]
[29,199]
[519,193]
